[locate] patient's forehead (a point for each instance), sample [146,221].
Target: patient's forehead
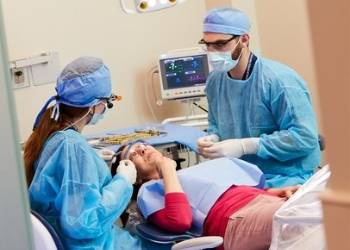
[131,147]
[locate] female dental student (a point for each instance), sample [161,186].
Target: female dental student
[69,184]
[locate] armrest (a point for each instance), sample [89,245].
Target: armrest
[199,243]
[153,234]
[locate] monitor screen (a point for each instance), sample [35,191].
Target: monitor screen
[183,72]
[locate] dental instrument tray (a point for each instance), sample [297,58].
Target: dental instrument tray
[126,138]
[154,133]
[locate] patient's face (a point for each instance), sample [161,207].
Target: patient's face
[145,158]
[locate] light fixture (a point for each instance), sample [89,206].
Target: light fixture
[144,6]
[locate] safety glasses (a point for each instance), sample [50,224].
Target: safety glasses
[133,151]
[217,45]
[109,100]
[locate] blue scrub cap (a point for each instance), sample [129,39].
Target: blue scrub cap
[82,83]
[227,21]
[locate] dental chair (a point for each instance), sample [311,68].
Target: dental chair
[190,240]
[45,236]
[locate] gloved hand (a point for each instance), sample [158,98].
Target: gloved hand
[106,154]
[127,169]
[232,148]
[206,141]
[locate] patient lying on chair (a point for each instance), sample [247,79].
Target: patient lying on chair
[222,197]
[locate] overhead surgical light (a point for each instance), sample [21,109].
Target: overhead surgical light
[144,6]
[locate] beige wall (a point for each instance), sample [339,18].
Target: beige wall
[129,44]
[210,4]
[330,22]
[249,7]
[285,36]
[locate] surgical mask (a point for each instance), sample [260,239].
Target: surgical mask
[94,120]
[222,61]
[97,117]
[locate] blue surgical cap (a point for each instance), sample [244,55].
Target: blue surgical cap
[227,21]
[82,83]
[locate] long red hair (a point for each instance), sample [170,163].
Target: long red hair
[42,132]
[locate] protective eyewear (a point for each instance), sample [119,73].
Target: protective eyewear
[217,44]
[109,100]
[134,151]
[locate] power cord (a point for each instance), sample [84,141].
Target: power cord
[149,84]
[199,106]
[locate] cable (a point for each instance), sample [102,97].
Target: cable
[149,83]
[159,102]
[188,157]
[199,106]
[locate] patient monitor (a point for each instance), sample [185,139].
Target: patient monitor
[183,74]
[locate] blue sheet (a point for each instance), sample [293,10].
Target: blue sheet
[186,136]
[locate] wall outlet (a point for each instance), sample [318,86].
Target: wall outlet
[19,78]
[35,70]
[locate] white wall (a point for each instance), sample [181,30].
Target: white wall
[129,44]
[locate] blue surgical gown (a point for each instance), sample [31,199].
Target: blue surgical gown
[274,105]
[73,189]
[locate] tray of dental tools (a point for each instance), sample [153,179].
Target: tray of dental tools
[121,139]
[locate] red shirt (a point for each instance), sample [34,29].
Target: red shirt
[176,216]
[230,202]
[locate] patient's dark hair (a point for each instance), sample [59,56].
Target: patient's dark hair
[114,168]
[119,155]
[117,160]
[124,216]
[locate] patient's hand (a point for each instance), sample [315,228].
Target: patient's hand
[285,192]
[164,164]
[156,158]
